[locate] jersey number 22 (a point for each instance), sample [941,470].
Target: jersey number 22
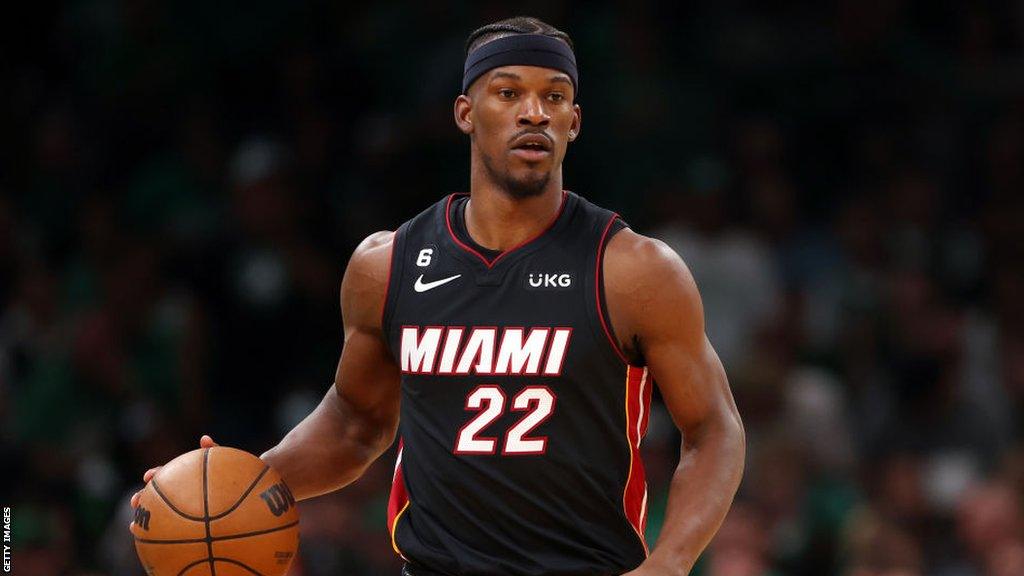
[489,401]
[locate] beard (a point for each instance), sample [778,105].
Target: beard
[532,185]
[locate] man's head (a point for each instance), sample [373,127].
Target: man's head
[518,105]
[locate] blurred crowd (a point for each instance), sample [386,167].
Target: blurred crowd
[182,184]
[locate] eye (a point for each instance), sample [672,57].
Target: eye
[556,96]
[507,93]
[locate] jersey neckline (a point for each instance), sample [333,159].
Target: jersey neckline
[514,250]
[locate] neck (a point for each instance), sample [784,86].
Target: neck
[498,220]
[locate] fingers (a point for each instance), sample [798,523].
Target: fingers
[205,442]
[146,477]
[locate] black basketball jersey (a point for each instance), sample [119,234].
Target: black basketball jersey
[521,420]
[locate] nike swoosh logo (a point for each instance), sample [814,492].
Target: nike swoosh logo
[422,286]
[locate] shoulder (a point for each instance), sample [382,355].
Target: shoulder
[364,285]
[644,259]
[375,243]
[373,255]
[648,283]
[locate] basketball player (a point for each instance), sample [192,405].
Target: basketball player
[511,337]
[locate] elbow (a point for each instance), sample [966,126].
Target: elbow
[350,458]
[720,436]
[366,432]
[737,431]
[382,439]
[722,427]
[735,441]
[732,434]
[373,436]
[740,435]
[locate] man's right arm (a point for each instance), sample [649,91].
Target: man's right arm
[358,417]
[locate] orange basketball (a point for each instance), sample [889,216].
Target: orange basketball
[216,511]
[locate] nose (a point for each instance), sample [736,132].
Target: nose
[532,112]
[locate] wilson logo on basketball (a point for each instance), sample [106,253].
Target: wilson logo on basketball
[141,518]
[278,498]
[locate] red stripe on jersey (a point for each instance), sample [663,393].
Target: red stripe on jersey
[647,406]
[634,496]
[399,499]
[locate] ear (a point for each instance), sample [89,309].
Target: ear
[577,120]
[463,119]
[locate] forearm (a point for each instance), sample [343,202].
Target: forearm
[329,449]
[701,492]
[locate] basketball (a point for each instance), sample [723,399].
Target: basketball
[216,511]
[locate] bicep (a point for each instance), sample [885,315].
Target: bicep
[661,311]
[367,379]
[691,380]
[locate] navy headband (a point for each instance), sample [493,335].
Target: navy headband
[521,50]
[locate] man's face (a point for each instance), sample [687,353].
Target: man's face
[520,120]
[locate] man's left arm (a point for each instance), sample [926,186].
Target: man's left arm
[657,315]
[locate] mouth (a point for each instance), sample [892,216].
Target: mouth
[532,147]
[531,154]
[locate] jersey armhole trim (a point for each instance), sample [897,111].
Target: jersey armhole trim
[599,290]
[387,283]
[391,294]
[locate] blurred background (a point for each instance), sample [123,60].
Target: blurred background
[182,184]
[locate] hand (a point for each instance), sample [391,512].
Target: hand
[204,442]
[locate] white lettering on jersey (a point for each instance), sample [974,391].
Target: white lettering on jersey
[451,349]
[423,259]
[418,352]
[555,280]
[479,347]
[481,352]
[556,356]
[514,354]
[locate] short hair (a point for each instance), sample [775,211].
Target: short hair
[512,27]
